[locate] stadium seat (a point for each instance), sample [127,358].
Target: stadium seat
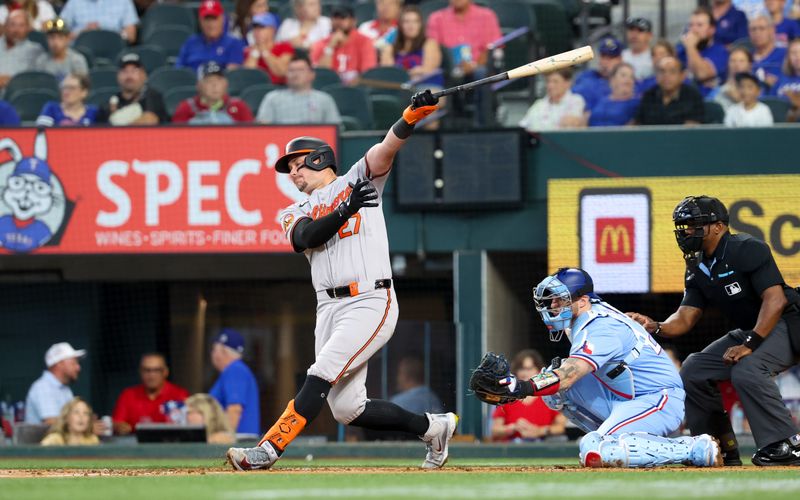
[254,94]
[779,107]
[514,14]
[104,44]
[100,96]
[386,109]
[40,38]
[164,14]
[152,56]
[240,79]
[552,27]
[170,39]
[391,76]
[713,112]
[103,77]
[29,103]
[352,102]
[325,77]
[166,78]
[175,95]
[364,12]
[88,54]
[30,80]
[428,6]
[350,123]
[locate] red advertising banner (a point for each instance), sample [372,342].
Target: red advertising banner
[146,190]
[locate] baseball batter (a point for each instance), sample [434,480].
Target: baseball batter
[617,384]
[342,232]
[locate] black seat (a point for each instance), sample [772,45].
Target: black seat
[169,38]
[104,44]
[166,78]
[254,94]
[352,101]
[713,112]
[152,56]
[165,14]
[101,95]
[31,80]
[324,77]
[241,78]
[779,107]
[103,77]
[29,103]
[174,96]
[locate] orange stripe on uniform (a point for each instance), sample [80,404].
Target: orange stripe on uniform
[374,334]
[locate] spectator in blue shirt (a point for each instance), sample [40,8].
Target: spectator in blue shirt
[51,391]
[592,84]
[705,59]
[213,43]
[767,57]
[788,86]
[620,107]
[786,29]
[72,110]
[8,115]
[236,388]
[731,22]
[112,15]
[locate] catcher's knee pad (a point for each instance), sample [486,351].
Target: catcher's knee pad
[345,411]
[589,449]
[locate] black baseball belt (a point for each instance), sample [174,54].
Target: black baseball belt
[352,289]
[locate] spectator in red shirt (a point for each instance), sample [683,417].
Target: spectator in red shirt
[145,402]
[345,51]
[264,53]
[529,418]
[212,104]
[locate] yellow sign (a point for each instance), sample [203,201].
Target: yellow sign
[606,234]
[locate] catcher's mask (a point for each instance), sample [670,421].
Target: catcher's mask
[691,216]
[566,284]
[320,155]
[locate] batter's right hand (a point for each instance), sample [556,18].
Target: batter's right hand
[363,195]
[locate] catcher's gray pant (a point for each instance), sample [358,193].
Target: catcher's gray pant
[769,418]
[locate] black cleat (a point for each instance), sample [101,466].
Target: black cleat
[731,458]
[780,453]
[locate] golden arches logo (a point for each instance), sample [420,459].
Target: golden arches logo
[615,241]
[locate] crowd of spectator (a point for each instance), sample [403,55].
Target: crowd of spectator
[454,44]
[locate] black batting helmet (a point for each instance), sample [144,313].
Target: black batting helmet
[320,155]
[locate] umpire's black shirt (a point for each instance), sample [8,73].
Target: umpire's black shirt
[734,278]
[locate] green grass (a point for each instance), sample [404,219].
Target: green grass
[322,479]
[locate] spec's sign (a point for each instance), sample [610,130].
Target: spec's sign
[146,190]
[621,231]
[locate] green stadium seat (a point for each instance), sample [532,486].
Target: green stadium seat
[104,44]
[325,77]
[29,103]
[364,12]
[175,95]
[352,101]
[350,123]
[100,96]
[30,80]
[169,38]
[389,75]
[713,112]
[40,38]
[152,56]
[779,107]
[514,14]
[166,78]
[88,54]
[241,78]
[386,109]
[103,77]
[164,14]
[553,27]
[429,6]
[254,94]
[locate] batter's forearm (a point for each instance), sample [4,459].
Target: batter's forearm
[314,233]
[381,155]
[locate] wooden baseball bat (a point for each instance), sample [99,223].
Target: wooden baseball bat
[542,66]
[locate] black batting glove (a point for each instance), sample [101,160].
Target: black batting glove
[363,195]
[422,99]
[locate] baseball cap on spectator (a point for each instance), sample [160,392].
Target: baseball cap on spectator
[265,20]
[130,58]
[211,8]
[210,68]
[61,351]
[639,23]
[56,25]
[740,77]
[342,11]
[610,47]
[230,338]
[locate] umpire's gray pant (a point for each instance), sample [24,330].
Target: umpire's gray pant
[769,418]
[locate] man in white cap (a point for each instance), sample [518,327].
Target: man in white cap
[50,392]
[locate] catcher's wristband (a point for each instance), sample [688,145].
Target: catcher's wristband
[544,384]
[753,340]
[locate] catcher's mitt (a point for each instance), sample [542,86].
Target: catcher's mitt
[492,381]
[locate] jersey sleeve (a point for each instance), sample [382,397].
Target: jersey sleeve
[760,266]
[692,296]
[599,343]
[360,170]
[289,217]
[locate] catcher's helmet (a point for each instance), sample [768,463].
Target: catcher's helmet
[566,284]
[320,155]
[691,215]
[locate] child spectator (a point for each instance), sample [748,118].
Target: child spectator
[559,109]
[727,94]
[786,29]
[346,51]
[39,11]
[61,60]
[413,51]
[767,57]
[748,112]
[264,53]
[307,27]
[72,110]
[212,105]
[620,107]
[73,427]
[202,409]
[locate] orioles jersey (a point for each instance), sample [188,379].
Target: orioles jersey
[359,251]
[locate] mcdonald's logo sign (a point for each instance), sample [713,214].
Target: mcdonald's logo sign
[615,240]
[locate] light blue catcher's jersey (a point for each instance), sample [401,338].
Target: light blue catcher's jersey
[604,337]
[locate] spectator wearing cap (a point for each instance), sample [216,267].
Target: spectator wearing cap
[699,52]
[559,109]
[264,53]
[17,53]
[242,19]
[767,57]
[346,51]
[299,102]
[112,15]
[51,391]
[135,103]
[72,110]
[748,112]
[383,29]
[593,84]
[307,27]
[639,34]
[786,29]
[731,23]
[212,104]
[61,60]
[146,401]
[619,108]
[8,115]
[212,43]
[39,11]
[236,388]
[672,101]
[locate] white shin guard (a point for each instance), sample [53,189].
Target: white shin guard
[637,449]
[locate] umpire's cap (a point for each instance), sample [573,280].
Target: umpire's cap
[320,155]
